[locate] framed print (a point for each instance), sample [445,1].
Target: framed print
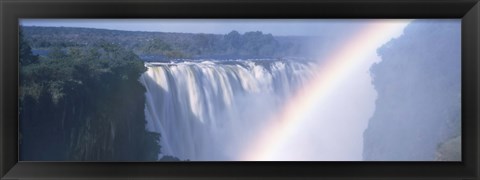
[224,89]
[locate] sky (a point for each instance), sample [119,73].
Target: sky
[276,27]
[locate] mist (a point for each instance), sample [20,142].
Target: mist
[248,120]
[418,105]
[331,129]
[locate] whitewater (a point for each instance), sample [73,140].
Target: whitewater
[211,110]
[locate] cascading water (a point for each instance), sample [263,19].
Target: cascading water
[210,110]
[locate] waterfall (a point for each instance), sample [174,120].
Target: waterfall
[209,110]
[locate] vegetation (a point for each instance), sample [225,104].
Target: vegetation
[26,56]
[83,103]
[171,45]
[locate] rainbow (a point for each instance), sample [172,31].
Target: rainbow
[331,73]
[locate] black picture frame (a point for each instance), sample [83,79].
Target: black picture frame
[12,10]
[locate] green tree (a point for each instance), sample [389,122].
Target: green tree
[25,51]
[85,104]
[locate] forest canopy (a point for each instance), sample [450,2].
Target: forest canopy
[162,45]
[83,103]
